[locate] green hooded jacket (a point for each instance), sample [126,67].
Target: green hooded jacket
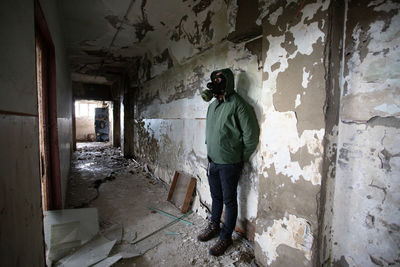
[232,130]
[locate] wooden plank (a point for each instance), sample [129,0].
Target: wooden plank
[181,191]
[189,194]
[173,185]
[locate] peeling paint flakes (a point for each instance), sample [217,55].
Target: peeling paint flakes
[306,78]
[387,7]
[232,14]
[279,147]
[275,15]
[376,2]
[305,36]
[252,204]
[293,232]
[311,9]
[276,53]
[298,101]
[389,109]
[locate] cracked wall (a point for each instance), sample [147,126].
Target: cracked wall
[366,233]
[292,133]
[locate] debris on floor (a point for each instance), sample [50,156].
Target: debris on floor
[134,205]
[91,253]
[68,229]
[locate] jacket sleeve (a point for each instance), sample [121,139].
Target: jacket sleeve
[250,129]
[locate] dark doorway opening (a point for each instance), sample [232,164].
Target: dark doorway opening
[47,111]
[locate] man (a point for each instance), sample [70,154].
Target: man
[231,136]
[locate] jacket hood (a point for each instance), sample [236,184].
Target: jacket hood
[230,80]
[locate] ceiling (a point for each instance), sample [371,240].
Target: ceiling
[108,37]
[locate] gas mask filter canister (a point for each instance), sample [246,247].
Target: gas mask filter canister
[216,87]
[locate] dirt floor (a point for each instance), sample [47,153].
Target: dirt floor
[124,192]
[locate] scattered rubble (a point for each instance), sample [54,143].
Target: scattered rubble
[126,193]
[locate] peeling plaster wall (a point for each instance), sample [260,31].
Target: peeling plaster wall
[170,126]
[175,29]
[169,75]
[366,233]
[292,131]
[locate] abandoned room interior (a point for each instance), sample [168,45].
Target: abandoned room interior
[103,127]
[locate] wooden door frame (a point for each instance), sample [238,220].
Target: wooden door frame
[50,91]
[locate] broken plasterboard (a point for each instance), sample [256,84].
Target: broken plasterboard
[68,229]
[63,238]
[107,262]
[181,191]
[91,253]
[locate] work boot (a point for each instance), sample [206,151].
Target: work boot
[210,232]
[220,247]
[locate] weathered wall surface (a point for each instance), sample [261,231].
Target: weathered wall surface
[322,182]
[334,68]
[170,127]
[169,112]
[20,197]
[366,216]
[21,235]
[64,91]
[293,128]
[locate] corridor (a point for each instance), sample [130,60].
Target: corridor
[107,135]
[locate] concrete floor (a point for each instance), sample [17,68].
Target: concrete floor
[123,192]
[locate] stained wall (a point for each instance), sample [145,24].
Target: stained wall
[293,131]
[366,200]
[21,235]
[322,77]
[169,113]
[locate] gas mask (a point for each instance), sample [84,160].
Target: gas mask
[216,87]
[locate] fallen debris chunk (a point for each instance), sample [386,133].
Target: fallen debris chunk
[92,252]
[128,251]
[107,262]
[68,229]
[114,233]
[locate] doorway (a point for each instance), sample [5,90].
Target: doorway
[47,114]
[94,121]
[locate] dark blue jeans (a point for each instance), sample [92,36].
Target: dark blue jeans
[223,180]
